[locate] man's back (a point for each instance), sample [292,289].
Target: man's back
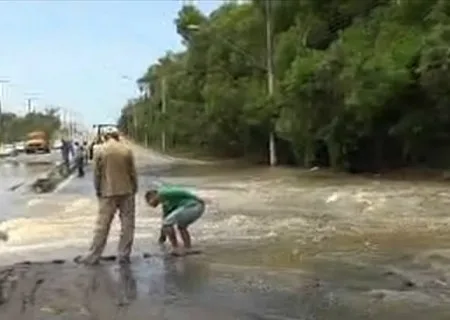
[173,197]
[115,172]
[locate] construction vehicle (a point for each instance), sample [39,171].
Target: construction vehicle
[98,136]
[100,128]
[37,142]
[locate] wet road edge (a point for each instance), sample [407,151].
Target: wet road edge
[47,182]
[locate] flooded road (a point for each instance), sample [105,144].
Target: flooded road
[316,244]
[14,172]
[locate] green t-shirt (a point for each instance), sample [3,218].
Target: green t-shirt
[173,198]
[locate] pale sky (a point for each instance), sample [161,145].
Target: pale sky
[74,54]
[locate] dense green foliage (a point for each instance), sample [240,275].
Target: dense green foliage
[15,128]
[359,85]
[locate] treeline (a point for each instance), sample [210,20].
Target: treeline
[15,128]
[358,85]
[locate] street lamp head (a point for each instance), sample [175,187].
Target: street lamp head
[126,78]
[194,27]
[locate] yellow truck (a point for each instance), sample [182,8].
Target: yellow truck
[37,142]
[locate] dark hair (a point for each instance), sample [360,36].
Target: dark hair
[150,193]
[115,136]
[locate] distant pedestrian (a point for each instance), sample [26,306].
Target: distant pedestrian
[86,151]
[116,185]
[79,158]
[66,152]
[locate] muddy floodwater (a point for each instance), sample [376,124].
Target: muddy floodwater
[331,246]
[13,174]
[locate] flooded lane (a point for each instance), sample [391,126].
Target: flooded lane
[14,173]
[15,170]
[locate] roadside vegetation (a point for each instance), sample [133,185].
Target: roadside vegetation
[15,128]
[358,85]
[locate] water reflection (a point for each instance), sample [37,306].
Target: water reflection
[127,288]
[13,172]
[184,275]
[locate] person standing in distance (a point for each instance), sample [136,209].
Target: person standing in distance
[115,181]
[96,147]
[79,158]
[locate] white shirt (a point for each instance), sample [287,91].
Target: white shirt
[97,148]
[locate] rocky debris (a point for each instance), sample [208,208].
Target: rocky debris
[48,182]
[16,186]
[404,283]
[4,236]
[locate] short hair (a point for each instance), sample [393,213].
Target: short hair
[150,193]
[115,135]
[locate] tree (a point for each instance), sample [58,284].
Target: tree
[15,127]
[360,85]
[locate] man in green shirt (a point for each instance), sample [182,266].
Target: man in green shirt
[180,208]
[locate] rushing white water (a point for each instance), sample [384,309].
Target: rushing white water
[239,210]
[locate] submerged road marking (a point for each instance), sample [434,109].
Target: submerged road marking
[64,184]
[34,202]
[60,187]
[77,205]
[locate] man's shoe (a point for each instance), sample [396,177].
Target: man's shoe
[86,260]
[124,260]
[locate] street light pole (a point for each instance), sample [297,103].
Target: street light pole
[134,128]
[30,108]
[2,83]
[163,111]
[135,124]
[270,80]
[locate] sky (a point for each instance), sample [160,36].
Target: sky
[83,56]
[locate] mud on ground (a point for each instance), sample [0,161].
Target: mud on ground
[189,288]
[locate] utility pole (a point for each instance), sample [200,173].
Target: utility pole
[64,122]
[163,111]
[270,80]
[30,108]
[148,128]
[71,124]
[1,112]
[2,83]
[135,124]
[132,123]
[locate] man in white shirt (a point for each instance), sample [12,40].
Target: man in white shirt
[97,147]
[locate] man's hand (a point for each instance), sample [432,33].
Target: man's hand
[162,237]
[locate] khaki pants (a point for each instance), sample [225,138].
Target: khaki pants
[107,209]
